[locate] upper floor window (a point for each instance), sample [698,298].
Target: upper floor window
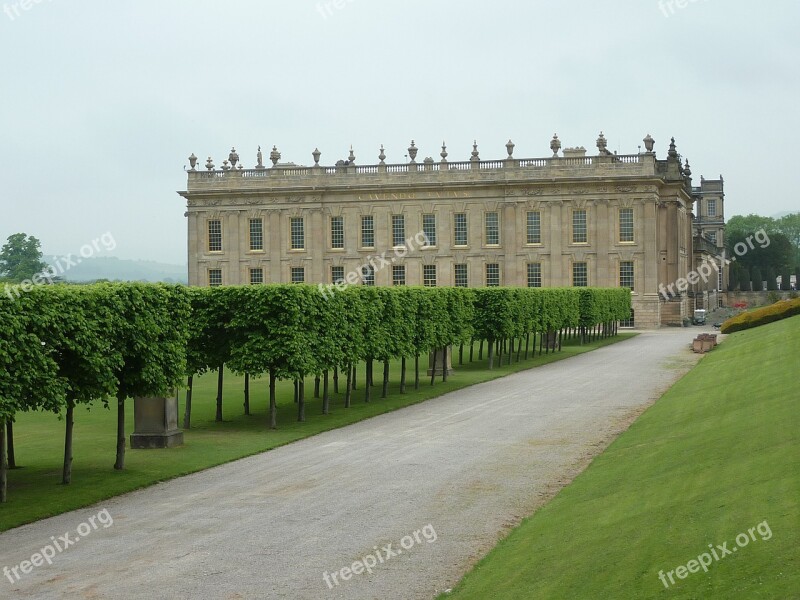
[534,227]
[625,224]
[429,229]
[215,235]
[712,207]
[492,226]
[298,233]
[256,234]
[398,230]
[337,232]
[460,229]
[579,228]
[367,231]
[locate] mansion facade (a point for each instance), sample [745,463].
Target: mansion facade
[570,219]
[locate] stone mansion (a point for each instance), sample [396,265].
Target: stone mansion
[571,219]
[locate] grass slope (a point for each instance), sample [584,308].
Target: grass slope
[35,491]
[715,456]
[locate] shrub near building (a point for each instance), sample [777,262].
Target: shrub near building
[762,316]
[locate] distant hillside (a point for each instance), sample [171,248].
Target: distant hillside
[112,268]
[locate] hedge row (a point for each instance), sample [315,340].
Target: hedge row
[61,346]
[761,316]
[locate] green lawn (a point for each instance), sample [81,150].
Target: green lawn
[35,490]
[717,455]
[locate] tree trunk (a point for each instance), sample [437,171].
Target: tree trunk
[510,350]
[403,375]
[416,372]
[480,351]
[273,405]
[355,372]
[499,350]
[385,390]
[519,348]
[527,344]
[296,392]
[433,368]
[187,411]
[12,461]
[460,354]
[66,474]
[471,349]
[541,341]
[3,471]
[326,397]
[316,386]
[220,375]
[444,364]
[120,462]
[301,400]
[368,380]
[348,387]
[336,380]
[247,393]
[491,354]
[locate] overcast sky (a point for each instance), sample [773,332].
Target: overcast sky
[103,101]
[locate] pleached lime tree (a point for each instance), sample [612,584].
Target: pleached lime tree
[28,372]
[82,344]
[151,333]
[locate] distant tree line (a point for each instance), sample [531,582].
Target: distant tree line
[759,268]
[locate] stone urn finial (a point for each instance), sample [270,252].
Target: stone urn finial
[510,148]
[233,157]
[192,162]
[475,156]
[443,153]
[274,156]
[649,143]
[382,156]
[687,170]
[602,144]
[316,154]
[352,157]
[226,165]
[555,145]
[210,164]
[412,152]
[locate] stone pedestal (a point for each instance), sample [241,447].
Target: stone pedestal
[156,423]
[439,362]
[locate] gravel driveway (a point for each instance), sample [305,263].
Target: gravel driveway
[422,492]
